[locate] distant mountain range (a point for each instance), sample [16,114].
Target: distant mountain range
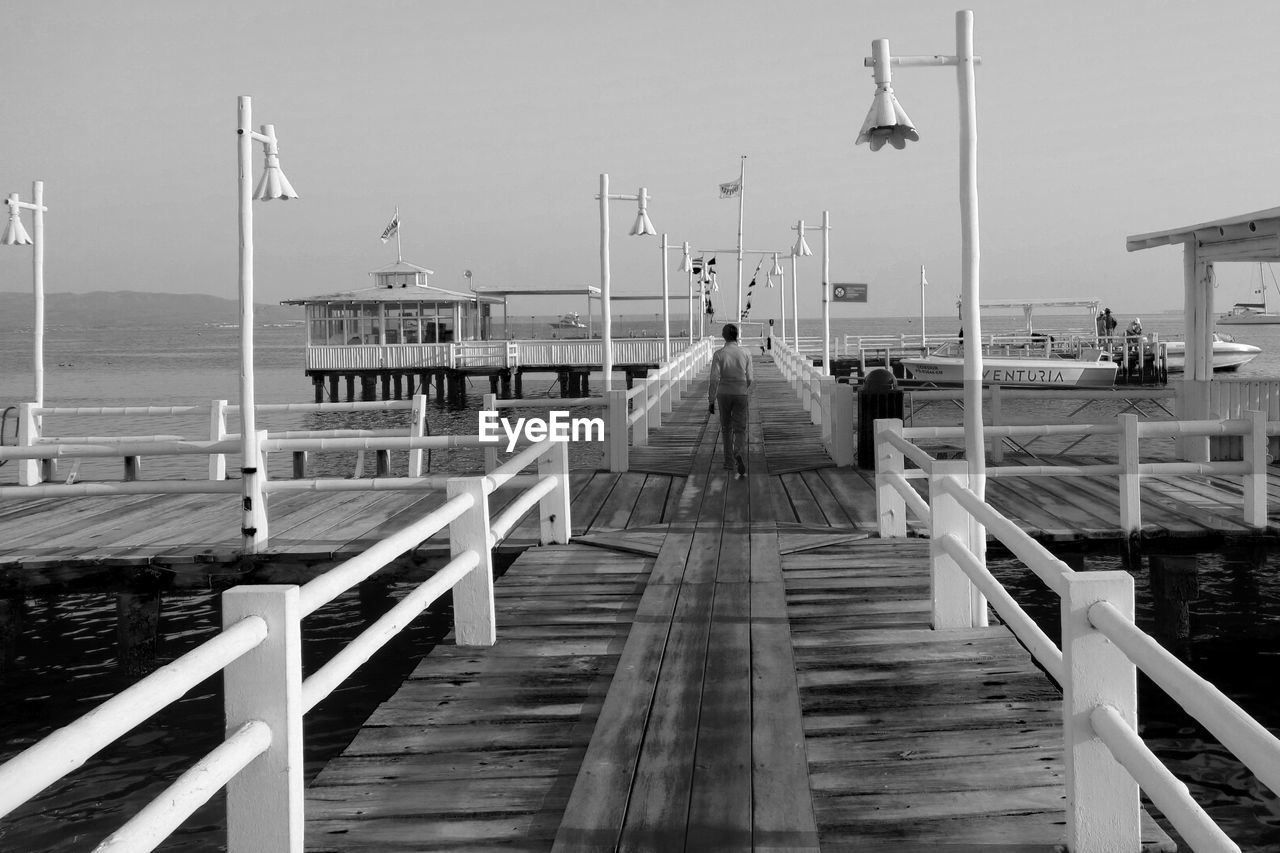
[123,308]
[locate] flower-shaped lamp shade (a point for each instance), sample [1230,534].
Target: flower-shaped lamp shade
[273,184]
[14,233]
[801,248]
[887,121]
[643,225]
[685,264]
[777,267]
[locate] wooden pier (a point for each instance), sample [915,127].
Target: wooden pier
[715,664]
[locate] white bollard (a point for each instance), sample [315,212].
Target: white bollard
[1102,798]
[951,591]
[265,799]
[474,616]
[640,438]
[30,471]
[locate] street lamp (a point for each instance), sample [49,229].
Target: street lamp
[687,267]
[272,185]
[782,292]
[16,235]
[887,122]
[641,227]
[801,249]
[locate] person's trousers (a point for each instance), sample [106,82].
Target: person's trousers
[733,409]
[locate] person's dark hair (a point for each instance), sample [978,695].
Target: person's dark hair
[729,332]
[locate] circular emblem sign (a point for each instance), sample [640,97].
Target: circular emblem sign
[839,292]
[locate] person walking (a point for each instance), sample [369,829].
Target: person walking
[732,376]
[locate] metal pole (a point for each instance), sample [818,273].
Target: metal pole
[923,339]
[606,323]
[666,309]
[782,301]
[688,262]
[37,277]
[826,293]
[742,202]
[795,304]
[975,440]
[248,422]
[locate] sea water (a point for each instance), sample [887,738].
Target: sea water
[66,656]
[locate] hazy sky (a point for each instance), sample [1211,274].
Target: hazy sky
[489,123]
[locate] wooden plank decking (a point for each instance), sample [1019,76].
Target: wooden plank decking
[740,668]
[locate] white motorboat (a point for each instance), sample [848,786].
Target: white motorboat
[1228,354]
[945,366]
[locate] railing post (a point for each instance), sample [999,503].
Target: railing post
[997,442]
[1130,481]
[417,429]
[30,471]
[827,387]
[490,450]
[553,509]
[843,452]
[619,431]
[474,617]
[891,509]
[653,382]
[1102,798]
[1255,482]
[265,799]
[218,432]
[951,591]
[258,496]
[641,436]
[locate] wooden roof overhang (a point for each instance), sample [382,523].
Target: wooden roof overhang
[1249,237]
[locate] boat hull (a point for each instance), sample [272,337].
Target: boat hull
[1248,319]
[1227,355]
[1018,372]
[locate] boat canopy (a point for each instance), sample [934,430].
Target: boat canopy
[1028,306]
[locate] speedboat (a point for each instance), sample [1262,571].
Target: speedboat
[1227,353]
[945,366]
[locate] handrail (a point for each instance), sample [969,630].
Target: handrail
[47,761]
[1255,746]
[1097,626]
[270,627]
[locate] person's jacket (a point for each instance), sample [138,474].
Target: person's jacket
[731,371]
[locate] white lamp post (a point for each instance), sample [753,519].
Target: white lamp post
[887,122]
[801,249]
[782,293]
[642,226]
[272,185]
[685,266]
[16,235]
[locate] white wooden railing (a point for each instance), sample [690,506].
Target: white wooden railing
[258,652]
[497,354]
[1107,762]
[830,404]
[629,414]
[894,445]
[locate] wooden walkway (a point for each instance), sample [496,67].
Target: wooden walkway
[711,667]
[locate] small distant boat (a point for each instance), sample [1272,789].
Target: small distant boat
[945,366]
[569,321]
[1227,354]
[1252,313]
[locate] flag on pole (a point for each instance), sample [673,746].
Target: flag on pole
[731,189]
[392,227]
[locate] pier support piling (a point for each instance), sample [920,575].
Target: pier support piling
[137,630]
